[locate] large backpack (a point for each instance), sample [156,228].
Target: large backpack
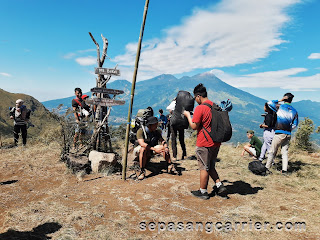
[221,129]
[257,168]
[184,101]
[140,121]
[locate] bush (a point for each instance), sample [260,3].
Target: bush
[302,136]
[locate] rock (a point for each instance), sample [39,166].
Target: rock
[100,160]
[77,163]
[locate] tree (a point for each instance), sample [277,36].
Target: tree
[318,130]
[305,129]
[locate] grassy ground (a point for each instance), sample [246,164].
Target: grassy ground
[41,198]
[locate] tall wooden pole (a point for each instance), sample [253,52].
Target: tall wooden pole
[124,161]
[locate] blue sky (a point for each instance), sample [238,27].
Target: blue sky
[266,47]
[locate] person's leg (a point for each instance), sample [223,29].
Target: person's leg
[24,134]
[16,130]
[204,179]
[276,142]
[168,132]
[284,152]
[264,146]
[250,150]
[182,143]
[174,141]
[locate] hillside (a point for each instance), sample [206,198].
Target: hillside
[40,116]
[159,91]
[41,199]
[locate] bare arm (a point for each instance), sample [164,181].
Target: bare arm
[76,114]
[193,125]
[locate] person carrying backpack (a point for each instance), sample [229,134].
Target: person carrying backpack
[81,111]
[19,115]
[287,119]
[206,150]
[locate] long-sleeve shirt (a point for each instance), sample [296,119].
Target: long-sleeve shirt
[287,118]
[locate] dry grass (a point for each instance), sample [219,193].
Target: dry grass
[98,206]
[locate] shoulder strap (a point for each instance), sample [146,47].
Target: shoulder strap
[78,102]
[207,104]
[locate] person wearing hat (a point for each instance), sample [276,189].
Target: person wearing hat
[149,139]
[18,114]
[268,125]
[287,120]
[254,146]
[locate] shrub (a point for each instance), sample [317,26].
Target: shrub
[302,136]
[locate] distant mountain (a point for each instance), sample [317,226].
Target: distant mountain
[158,92]
[40,116]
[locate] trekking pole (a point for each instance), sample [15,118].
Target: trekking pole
[124,161]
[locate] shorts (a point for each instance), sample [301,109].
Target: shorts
[207,157]
[253,151]
[81,128]
[136,151]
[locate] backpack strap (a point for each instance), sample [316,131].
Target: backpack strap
[208,105]
[76,99]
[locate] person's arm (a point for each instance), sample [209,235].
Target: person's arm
[193,125]
[76,114]
[295,122]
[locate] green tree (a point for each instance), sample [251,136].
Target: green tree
[305,129]
[318,130]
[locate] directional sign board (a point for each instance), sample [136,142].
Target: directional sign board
[106,90]
[107,71]
[105,102]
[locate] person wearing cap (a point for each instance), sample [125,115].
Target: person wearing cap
[270,119]
[206,150]
[287,120]
[80,110]
[149,139]
[254,146]
[18,114]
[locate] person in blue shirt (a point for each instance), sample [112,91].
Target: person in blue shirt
[287,119]
[162,119]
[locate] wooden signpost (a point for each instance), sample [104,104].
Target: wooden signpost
[107,91]
[107,71]
[107,102]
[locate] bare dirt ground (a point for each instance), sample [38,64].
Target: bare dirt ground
[42,199]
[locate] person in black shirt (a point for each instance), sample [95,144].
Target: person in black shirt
[268,126]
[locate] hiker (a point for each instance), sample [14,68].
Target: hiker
[253,147]
[19,115]
[174,131]
[268,125]
[206,150]
[149,139]
[287,119]
[162,119]
[81,112]
[170,108]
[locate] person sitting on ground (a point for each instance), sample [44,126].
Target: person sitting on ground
[268,125]
[254,146]
[148,139]
[19,115]
[206,150]
[81,111]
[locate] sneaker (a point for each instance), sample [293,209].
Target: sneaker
[171,168]
[142,174]
[221,191]
[204,196]
[284,173]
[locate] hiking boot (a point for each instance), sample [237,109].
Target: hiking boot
[221,191]
[204,196]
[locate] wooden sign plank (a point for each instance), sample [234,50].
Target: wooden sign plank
[106,90]
[107,71]
[105,101]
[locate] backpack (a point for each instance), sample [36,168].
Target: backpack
[140,121]
[28,114]
[221,129]
[85,110]
[258,168]
[184,101]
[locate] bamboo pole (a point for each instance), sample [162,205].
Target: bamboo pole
[124,161]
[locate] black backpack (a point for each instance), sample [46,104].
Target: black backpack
[140,122]
[221,129]
[258,168]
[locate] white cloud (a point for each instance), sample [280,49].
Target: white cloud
[77,53]
[230,33]
[86,61]
[284,79]
[314,56]
[5,74]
